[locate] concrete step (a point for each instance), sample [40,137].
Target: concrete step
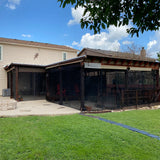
[7,104]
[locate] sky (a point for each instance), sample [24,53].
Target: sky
[45,21]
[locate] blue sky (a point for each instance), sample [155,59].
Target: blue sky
[45,21]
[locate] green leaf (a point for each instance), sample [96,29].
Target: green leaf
[82,25]
[144,15]
[103,26]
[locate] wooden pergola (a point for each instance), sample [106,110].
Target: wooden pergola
[87,61]
[14,69]
[90,62]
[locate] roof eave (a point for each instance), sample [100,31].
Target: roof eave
[67,62]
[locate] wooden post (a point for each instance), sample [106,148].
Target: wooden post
[8,79]
[122,98]
[126,79]
[157,79]
[155,83]
[126,86]
[11,81]
[82,87]
[34,83]
[100,94]
[17,95]
[136,99]
[47,88]
[61,87]
[154,78]
[157,86]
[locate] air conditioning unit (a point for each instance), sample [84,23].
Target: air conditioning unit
[6,92]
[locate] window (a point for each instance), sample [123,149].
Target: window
[0,53]
[64,56]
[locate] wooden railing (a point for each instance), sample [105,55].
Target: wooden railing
[140,96]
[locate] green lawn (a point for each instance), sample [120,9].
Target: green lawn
[77,137]
[147,120]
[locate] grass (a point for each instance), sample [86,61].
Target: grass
[73,137]
[147,120]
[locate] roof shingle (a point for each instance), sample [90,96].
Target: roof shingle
[35,44]
[114,54]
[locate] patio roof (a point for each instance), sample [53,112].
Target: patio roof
[114,54]
[66,62]
[7,67]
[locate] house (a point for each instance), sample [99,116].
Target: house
[96,79]
[13,51]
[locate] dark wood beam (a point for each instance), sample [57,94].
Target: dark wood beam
[8,79]
[117,61]
[157,79]
[93,59]
[141,63]
[11,81]
[129,63]
[147,64]
[136,63]
[61,87]
[16,83]
[126,79]
[82,87]
[100,88]
[47,84]
[123,62]
[109,61]
[152,64]
[157,66]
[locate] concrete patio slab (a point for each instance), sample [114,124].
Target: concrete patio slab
[7,104]
[38,108]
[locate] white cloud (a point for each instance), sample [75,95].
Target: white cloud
[74,43]
[99,41]
[77,14]
[106,41]
[127,42]
[151,44]
[26,35]
[12,4]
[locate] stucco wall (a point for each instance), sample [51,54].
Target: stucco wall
[28,55]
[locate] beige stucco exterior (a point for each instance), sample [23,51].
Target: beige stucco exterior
[14,53]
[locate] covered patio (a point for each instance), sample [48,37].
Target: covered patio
[95,80]
[100,81]
[26,82]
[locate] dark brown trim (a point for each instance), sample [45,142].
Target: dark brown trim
[61,87]
[123,62]
[126,79]
[13,65]
[11,83]
[7,80]
[16,83]
[82,87]
[31,69]
[47,84]
[157,79]
[8,70]
[67,62]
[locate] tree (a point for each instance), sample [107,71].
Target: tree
[132,48]
[143,14]
[158,55]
